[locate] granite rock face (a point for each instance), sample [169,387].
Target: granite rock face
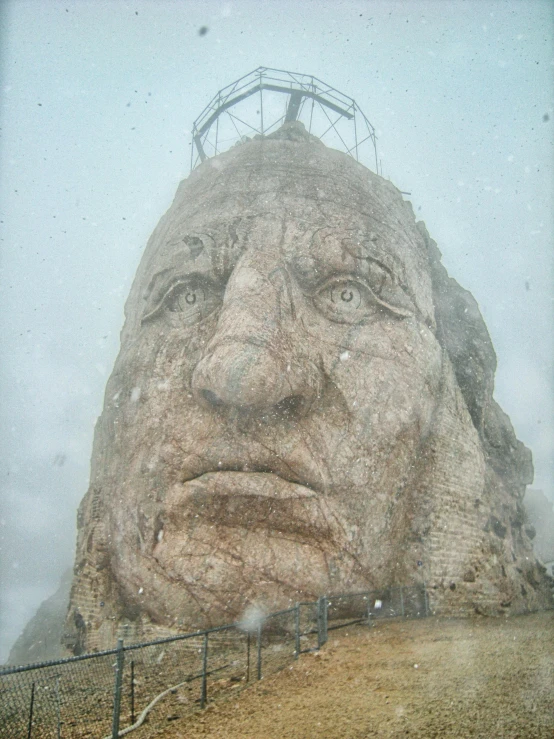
[540,524]
[42,637]
[302,404]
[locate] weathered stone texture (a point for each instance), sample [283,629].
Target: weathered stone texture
[302,404]
[539,524]
[42,637]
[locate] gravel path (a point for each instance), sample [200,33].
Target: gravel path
[489,678]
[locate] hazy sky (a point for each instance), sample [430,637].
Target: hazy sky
[97,102]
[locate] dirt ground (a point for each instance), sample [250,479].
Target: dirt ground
[490,678]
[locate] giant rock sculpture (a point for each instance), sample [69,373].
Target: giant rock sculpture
[302,404]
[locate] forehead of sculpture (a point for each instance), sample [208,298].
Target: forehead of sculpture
[314,207]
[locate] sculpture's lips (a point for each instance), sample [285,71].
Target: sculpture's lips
[257,482]
[235,454]
[302,475]
[252,501]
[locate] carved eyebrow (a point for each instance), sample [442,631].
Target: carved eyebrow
[367,253]
[378,262]
[155,278]
[340,237]
[194,241]
[195,244]
[165,278]
[396,271]
[184,247]
[180,248]
[373,254]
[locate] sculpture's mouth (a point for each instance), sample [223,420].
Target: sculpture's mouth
[299,466]
[251,500]
[282,473]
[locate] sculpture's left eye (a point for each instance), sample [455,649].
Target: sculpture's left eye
[190,300]
[347,301]
[343,300]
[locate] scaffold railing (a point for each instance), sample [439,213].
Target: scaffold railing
[260,102]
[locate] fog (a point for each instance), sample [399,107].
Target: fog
[98,100]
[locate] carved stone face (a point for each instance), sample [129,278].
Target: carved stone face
[278,374]
[282,420]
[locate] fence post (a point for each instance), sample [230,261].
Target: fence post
[132,692]
[248,657]
[402,601]
[30,725]
[425,599]
[260,651]
[204,694]
[120,658]
[321,621]
[58,709]
[297,631]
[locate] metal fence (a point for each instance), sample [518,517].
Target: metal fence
[106,694]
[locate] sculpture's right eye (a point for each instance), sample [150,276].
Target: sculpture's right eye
[190,300]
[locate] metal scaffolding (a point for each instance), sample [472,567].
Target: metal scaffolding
[261,101]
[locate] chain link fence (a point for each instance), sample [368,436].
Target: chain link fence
[107,694]
[38,701]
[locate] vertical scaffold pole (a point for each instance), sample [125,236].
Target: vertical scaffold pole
[261,107]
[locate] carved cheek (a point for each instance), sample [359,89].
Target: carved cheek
[389,372]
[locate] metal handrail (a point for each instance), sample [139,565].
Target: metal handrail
[298,87]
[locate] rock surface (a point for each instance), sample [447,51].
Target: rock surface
[42,638]
[302,404]
[540,524]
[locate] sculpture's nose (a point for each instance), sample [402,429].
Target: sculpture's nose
[245,375]
[255,360]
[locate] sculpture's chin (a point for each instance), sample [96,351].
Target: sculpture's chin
[230,538]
